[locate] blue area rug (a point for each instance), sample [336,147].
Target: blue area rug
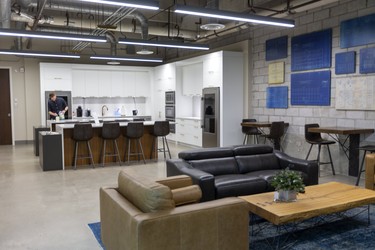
[332,232]
[95,228]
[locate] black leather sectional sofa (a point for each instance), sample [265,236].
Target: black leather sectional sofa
[238,170]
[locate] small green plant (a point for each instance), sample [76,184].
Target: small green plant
[288,180]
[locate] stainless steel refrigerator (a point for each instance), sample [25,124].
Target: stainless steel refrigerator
[210,117]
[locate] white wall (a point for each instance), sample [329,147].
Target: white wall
[298,116]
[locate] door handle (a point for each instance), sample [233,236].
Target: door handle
[8,114]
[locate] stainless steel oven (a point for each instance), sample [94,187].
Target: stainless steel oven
[170,112]
[170,97]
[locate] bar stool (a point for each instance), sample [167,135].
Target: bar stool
[161,129]
[82,132]
[367,148]
[250,131]
[316,139]
[110,132]
[134,131]
[277,131]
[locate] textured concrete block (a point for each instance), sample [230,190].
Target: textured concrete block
[345,122]
[364,123]
[292,112]
[299,121]
[305,19]
[355,114]
[305,112]
[330,122]
[321,15]
[269,111]
[281,112]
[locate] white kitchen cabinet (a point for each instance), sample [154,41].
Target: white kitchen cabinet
[189,131]
[213,70]
[56,77]
[91,83]
[165,75]
[192,79]
[142,84]
[129,81]
[104,84]
[78,83]
[117,86]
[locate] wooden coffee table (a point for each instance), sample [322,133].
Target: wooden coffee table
[318,200]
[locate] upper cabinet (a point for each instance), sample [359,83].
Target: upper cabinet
[142,84]
[129,82]
[78,83]
[92,83]
[165,77]
[56,77]
[213,70]
[192,79]
[117,86]
[105,78]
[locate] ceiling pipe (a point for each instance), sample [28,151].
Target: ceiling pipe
[5,9]
[112,39]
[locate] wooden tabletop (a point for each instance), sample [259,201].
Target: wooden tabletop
[259,124]
[341,130]
[318,200]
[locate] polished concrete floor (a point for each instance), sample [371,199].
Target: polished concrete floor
[51,210]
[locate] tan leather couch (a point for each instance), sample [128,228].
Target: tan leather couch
[370,172]
[141,214]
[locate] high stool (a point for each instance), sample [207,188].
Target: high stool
[367,148]
[161,129]
[134,131]
[316,139]
[82,132]
[250,131]
[277,131]
[110,132]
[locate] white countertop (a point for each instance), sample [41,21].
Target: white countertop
[60,127]
[189,118]
[91,119]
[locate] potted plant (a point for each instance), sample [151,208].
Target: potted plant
[288,184]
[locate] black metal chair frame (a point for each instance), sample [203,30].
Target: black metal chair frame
[275,134]
[138,142]
[249,131]
[116,152]
[164,141]
[316,139]
[76,156]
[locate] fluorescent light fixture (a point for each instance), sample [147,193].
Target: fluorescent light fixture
[37,54]
[142,4]
[229,15]
[128,58]
[52,35]
[163,44]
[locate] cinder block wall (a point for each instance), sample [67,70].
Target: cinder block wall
[326,17]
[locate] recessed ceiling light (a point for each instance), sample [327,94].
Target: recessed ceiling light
[212,26]
[145,52]
[113,63]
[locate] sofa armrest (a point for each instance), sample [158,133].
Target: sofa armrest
[177,181]
[310,168]
[219,224]
[204,180]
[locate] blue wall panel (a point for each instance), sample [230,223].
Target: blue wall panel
[367,60]
[312,50]
[277,97]
[345,63]
[311,88]
[277,48]
[358,31]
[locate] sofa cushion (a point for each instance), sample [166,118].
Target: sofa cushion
[147,195]
[250,163]
[216,166]
[252,149]
[205,153]
[238,184]
[268,175]
[186,195]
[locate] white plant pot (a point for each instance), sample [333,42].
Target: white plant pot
[285,195]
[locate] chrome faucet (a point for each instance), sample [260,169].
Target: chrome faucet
[104,112]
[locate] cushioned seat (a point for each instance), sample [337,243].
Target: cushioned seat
[238,184]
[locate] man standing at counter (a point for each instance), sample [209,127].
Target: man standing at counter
[56,105]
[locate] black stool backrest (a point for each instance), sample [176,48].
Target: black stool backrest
[134,130]
[249,130]
[161,128]
[277,130]
[82,132]
[111,130]
[309,136]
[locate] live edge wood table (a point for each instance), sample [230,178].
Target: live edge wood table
[328,198]
[260,126]
[96,144]
[353,134]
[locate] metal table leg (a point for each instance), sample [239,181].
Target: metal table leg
[353,154]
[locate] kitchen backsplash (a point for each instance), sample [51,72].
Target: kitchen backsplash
[115,105]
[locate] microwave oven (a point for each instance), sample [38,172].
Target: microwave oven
[170,97]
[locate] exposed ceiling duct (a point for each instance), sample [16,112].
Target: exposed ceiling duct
[5,8]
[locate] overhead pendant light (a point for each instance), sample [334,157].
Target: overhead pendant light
[163,44]
[142,4]
[128,58]
[229,15]
[52,35]
[37,54]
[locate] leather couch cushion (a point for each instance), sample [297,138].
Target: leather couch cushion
[186,195]
[205,153]
[252,149]
[267,175]
[147,195]
[216,166]
[250,163]
[238,184]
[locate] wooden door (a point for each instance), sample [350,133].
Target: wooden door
[5,112]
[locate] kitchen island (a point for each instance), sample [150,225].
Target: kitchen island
[66,129]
